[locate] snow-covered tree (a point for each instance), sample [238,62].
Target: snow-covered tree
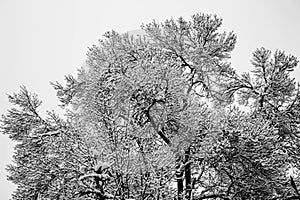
[151,117]
[152,89]
[272,95]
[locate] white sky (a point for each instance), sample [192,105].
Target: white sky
[41,41]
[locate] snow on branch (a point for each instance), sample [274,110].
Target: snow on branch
[102,177]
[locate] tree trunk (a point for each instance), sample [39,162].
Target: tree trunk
[188,176]
[179,177]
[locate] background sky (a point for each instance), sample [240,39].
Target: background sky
[41,41]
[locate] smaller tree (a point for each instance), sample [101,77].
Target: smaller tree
[52,161]
[273,98]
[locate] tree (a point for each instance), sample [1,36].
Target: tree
[38,165]
[52,160]
[151,117]
[275,99]
[151,84]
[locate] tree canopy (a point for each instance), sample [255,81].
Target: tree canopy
[156,117]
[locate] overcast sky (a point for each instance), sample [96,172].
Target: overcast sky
[41,41]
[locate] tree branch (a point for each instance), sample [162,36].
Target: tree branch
[100,176]
[159,131]
[50,133]
[222,196]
